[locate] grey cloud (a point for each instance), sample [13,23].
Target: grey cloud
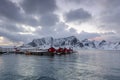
[11,20]
[110,36]
[9,35]
[45,31]
[108,33]
[77,15]
[29,20]
[58,30]
[110,4]
[72,30]
[61,26]
[12,32]
[110,16]
[86,35]
[39,6]
[86,2]
[63,30]
[16,37]
[11,27]
[49,20]
[9,10]
[108,13]
[77,1]
[11,13]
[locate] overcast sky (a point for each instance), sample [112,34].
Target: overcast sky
[23,20]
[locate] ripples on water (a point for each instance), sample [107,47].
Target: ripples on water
[84,65]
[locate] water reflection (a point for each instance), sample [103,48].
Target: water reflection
[85,65]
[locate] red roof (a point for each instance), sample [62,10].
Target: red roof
[51,49]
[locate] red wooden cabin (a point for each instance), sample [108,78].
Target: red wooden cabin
[52,50]
[65,50]
[60,50]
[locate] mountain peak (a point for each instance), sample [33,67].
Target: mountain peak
[72,41]
[71,37]
[60,42]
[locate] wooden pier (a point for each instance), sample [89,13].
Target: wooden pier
[28,51]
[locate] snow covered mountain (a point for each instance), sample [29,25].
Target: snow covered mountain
[73,42]
[49,41]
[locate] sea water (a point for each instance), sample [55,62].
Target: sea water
[83,65]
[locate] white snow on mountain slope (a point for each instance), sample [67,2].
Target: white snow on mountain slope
[73,42]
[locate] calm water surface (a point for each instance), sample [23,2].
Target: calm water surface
[84,65]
